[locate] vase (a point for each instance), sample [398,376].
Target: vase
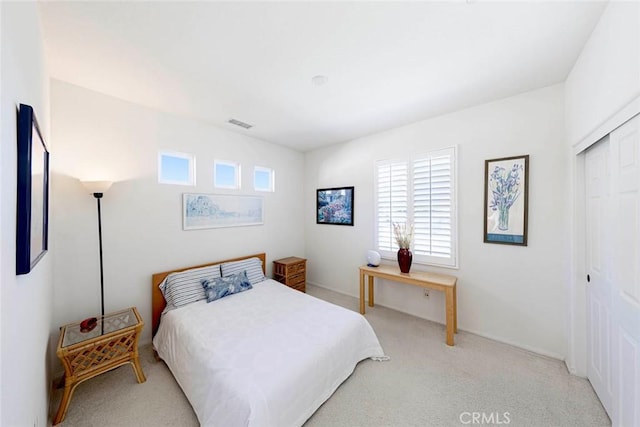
[503,218]
[404,259]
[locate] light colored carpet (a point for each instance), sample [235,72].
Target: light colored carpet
[426,383]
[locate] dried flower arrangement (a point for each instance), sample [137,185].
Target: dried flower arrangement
[403,234]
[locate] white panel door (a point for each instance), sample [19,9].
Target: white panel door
[625,295]
[598,264]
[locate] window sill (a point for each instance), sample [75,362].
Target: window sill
[419,262]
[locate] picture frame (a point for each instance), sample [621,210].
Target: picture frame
[335,205]
[200,211]
[506,200]
[32,210]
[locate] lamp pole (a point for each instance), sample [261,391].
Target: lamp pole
[97,189]
[98,196]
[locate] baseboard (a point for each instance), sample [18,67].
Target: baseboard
[573,371]
[329,288]
[530,349]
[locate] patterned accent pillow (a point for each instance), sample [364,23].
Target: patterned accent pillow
[223,286]
[253,267]
[185,287]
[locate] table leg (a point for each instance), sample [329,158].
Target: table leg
[450,308]
[64,403]
[371,291]
[361,292]
[137,369]
[455,309]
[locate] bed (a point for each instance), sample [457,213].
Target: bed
[268,356]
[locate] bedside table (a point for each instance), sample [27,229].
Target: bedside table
[291,271]
[111,343]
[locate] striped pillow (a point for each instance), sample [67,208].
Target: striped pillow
[253,267]
[185,287]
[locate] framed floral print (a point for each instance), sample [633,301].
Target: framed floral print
[506,200]
[334,206]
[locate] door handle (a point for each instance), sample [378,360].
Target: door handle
[588,278]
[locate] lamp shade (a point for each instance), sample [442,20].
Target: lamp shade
[373,258]
[97,186]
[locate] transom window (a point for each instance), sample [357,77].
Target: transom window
[226,174]
[176,168]
[263,179]
[419,191]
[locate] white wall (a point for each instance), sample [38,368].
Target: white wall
[26,300]
[101,137]
[601,92]
[509,293]
[606,76]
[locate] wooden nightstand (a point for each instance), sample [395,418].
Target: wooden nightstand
[291,271]
[111,343]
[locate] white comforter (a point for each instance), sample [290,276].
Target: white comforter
[269,356]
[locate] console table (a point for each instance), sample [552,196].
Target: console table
[438,282]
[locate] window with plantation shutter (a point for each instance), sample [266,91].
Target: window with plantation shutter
[392,200]
[419,191]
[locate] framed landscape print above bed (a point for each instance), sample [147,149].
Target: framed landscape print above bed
[221,210]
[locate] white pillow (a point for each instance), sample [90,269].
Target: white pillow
[185,287]
[253,267]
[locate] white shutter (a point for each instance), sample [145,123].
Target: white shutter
[433,208]
[423,193]
[391,202]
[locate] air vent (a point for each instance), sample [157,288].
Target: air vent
[241,124]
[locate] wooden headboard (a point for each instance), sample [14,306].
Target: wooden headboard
[157,299]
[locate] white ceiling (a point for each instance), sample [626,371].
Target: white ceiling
[387,63]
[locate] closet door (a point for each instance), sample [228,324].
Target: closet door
[598,272]
[612,174]
[625,295]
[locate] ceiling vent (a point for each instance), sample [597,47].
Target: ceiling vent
[241,124]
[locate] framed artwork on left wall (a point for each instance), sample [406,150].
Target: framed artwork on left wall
[32,223]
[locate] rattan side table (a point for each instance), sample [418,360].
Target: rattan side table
[111,343]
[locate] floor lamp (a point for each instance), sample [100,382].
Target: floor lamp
[97,189]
